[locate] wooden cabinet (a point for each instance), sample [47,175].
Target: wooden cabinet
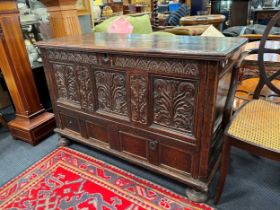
[154,101]
[237,12]
[263,15]
[32,122]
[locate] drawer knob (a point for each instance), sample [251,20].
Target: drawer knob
[153,145]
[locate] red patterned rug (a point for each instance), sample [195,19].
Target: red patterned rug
[67,179]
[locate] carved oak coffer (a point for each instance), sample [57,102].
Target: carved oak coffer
[154,101]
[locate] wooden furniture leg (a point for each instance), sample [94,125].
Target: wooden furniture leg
[196,196]
[32,123]
[63,142]
[223,169]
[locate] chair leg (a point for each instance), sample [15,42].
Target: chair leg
[223,169]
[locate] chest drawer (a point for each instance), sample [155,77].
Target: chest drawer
[146,146]
[70,123]
[164,152]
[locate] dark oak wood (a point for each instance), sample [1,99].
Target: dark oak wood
[155,101]
[32,123]
[201,48]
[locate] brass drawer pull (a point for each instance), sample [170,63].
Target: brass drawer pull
[153,145]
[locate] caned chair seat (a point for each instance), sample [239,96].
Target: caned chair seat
[258,123]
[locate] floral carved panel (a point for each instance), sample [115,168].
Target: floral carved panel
[66,82]
[174,104]
[86,87]
[139,94]
[111,92]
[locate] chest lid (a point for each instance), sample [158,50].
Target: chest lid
[204,48]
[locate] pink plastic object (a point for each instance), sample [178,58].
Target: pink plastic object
[120,25]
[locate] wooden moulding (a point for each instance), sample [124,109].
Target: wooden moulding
[32,122]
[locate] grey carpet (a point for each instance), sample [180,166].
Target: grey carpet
[252,184]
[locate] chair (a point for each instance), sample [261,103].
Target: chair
[255,127]
[249,74]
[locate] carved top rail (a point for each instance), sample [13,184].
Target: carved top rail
[154,65]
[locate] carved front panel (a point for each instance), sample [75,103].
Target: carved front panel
[148,64]
[111,92]
[139,93]
[86,88]
[71,81]
[66,82]
[174,104]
